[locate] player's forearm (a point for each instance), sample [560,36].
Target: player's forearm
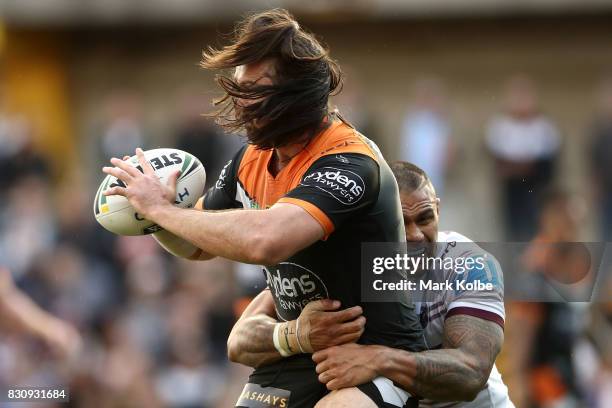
[239,235]
[442,375]
[251,342]
[180,247]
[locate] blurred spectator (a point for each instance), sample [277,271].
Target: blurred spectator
[189,378]
[122,131]
[353,105]
[27,224]
[76,225]
[600,159]
[198,135]
[541,352]
[593,354]
[525,145]
[18,157]
[426,138]
[72,285]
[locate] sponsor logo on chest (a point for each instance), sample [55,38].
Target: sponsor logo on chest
[344,185]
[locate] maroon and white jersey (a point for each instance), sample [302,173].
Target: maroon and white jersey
[488,304]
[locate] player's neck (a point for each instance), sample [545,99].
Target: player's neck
[283,155]
[286,153]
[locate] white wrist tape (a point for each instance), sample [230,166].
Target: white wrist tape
[277,346]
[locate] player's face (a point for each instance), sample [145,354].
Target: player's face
[256,74]
[421,212]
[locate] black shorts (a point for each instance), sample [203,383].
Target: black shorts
[289,383]
[293,383]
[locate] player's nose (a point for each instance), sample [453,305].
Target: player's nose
[414,233]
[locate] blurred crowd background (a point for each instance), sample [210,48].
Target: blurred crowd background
[507,105]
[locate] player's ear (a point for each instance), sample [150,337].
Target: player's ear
[437,206]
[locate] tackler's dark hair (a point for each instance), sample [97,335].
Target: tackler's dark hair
[305,76]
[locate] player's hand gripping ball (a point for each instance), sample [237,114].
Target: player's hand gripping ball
[116,214]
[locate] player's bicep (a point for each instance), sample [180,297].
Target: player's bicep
[480,339]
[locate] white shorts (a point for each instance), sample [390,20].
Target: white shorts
[386,394]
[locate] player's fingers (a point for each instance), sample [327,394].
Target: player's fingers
[172,178]
[319,356]
[355,326]
[122,191]
[322,367]
[326,376]
[335,384]
[146,166]
[117,172]
[323,305]
[125,158]
[347,338]
[125,166]
[346,315]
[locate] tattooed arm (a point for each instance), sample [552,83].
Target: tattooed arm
[460,370]
[251,340]
[455,373]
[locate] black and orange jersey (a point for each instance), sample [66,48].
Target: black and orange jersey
[342,180]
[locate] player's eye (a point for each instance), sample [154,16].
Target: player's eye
[425,218]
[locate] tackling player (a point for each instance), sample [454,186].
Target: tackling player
[464,329]
[310,188]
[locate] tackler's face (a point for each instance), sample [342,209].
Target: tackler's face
[421,212]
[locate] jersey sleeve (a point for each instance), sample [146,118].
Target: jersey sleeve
[336,188]
[478,289]
[222,195]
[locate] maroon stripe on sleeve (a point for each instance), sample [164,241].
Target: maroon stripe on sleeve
[481,314]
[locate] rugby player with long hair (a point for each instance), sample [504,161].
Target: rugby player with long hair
[300,198]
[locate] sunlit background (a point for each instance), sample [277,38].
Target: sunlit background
[504,103]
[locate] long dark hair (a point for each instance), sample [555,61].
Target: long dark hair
[297,102]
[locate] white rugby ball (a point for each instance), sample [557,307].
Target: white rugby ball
[116,214]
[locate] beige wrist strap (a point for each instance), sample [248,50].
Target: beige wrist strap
[292,338]
[285,338]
